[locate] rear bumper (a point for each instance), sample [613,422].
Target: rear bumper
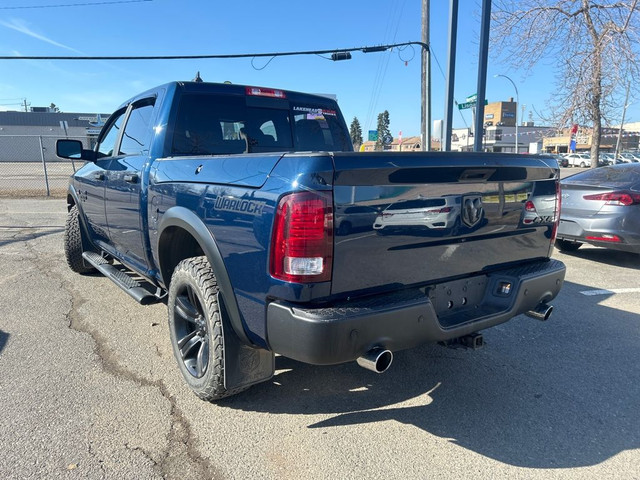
[578,229]
[406,319]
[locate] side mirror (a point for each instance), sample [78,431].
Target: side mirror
[72,149]
[69,149]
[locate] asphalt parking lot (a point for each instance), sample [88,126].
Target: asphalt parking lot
[89,387]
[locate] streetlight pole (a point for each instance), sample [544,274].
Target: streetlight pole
[517,103]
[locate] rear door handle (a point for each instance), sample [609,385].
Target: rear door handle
[131,178]
[98,176]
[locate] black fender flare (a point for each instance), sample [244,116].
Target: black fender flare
[187,220]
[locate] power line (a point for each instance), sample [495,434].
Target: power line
[383,64]
[87,4]
[369,49]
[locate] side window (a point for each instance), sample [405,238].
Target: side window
[108,141]
[137,131]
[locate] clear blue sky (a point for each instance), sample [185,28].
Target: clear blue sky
[365,85]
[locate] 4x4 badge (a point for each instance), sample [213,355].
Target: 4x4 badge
[472,211]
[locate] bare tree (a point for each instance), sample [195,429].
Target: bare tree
[593,46]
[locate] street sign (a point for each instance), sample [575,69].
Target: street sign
[472,98]
[373,135]
[464,106]
[387,139]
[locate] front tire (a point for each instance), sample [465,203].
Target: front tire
[73,243]
[566,246]
[195,326]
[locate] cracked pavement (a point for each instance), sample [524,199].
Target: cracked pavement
[89,411]
[89,388]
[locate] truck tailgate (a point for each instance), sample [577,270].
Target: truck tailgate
[414,218]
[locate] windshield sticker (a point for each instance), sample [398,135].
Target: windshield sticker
[315,111]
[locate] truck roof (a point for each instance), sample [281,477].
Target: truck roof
[233,89]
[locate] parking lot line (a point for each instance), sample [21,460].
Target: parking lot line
[609,292]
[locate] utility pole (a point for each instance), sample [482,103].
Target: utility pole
[482,74]
[425,130]
[24,101]
[451,74]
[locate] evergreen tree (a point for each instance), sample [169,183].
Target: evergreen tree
[383,129]
[355,131]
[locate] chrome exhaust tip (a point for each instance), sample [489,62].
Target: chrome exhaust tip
[377,360]
[542,312]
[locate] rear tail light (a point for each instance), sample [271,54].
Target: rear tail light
[530,208]
[302,242]
[616,198]
[605,237]
[440,210]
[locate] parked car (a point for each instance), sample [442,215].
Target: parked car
[606,158]
[439,213]
[628,157]
[601,207]
[563,161]
[579,160]
[541,206]
[354,218]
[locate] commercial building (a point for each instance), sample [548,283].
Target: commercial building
[499,139]
[500,114]
[560,143]
[26,136]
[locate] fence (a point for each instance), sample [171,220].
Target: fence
[29,166]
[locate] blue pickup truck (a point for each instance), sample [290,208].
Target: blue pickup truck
[247,212]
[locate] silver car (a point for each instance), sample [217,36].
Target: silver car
[601,207]
[439,213]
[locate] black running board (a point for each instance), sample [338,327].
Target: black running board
[130,285]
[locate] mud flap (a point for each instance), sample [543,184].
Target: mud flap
[243,365]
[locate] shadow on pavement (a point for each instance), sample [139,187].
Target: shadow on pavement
[603,255]
[4,337]
[540,395]
[23,234]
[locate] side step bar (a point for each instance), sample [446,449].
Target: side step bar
[120,278]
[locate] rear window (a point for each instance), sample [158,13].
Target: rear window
[318,129]
[217,124]
[623,176]
[226,124]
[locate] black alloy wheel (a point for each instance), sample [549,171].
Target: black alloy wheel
[195,327]
[191,333]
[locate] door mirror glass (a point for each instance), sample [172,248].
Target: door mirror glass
[71,149]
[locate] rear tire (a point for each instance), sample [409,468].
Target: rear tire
[566,246]
[195,326]
[73,243]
